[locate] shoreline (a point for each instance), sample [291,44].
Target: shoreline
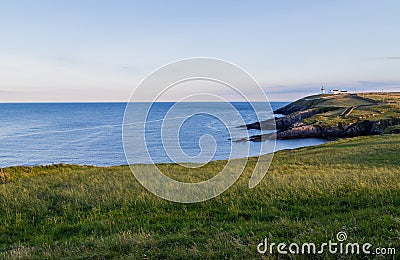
[331,116]
[119,165]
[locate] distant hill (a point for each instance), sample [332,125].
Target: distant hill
[324,100]
[332,116]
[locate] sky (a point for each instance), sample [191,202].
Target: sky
[53,51]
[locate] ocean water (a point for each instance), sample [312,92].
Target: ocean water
[91,133]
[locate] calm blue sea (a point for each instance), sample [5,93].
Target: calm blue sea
[90,133]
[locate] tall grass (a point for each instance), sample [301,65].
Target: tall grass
[308,195]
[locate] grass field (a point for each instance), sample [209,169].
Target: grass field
[308,195]
[362,106]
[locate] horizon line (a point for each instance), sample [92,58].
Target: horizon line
[82,102]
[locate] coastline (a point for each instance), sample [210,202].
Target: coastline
[40,134]
[313,143]
[333,116]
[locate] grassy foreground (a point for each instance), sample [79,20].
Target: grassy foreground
[308,195]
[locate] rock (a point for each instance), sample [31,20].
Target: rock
[365,127]
[288,121]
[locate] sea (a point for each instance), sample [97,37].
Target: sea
[92,133]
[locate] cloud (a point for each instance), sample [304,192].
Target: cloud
[387,58]
[7,92]
[290,89]
[293,92]
[393,58]
[376,84]
[8,67]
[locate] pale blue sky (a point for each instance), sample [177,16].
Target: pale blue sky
[100,50]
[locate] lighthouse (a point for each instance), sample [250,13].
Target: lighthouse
[322,90]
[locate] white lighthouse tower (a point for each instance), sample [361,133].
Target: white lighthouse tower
[322,90]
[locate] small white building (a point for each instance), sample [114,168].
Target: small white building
[337,91]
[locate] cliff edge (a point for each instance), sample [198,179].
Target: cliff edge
[334,116]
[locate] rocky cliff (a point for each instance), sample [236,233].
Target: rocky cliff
[365,127]
[332,117]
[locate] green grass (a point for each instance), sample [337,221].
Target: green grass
[386,106]
[395,129]
[343,100]
[308,195]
